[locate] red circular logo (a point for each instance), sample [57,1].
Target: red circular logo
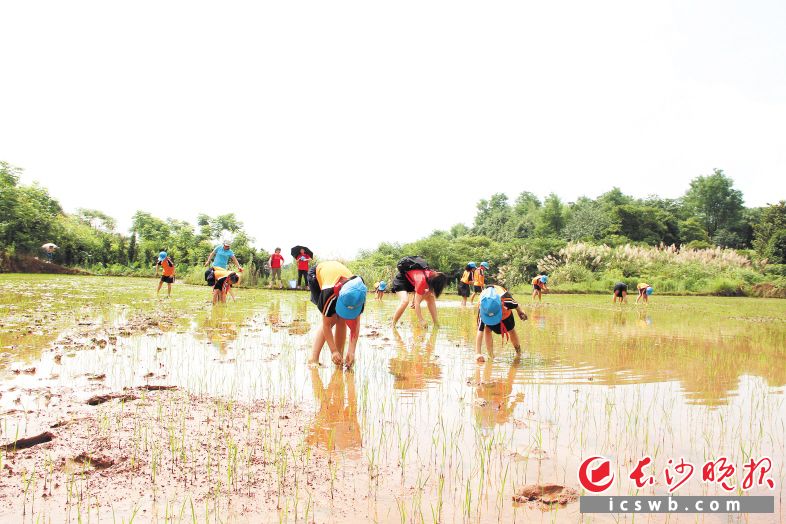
[592,481]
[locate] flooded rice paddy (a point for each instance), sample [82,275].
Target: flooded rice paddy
[213,415]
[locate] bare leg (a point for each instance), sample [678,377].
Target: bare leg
[160,283]
[168,289]
[514,339]
[479,347]
[402,306]
[316,347]
[431,302]
[489,336]
[341,336]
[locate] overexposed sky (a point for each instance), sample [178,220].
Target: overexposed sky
[341,124]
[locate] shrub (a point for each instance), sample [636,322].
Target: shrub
[571,273]
[725,287]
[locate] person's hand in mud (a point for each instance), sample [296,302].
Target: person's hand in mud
[336,358]
[349,359]
[327,330]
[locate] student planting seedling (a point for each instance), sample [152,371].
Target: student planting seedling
[414,276]
[539,286]
[645,290]
[495,315]
[620,293]
[465,282]
[340,297]
[380,288]
[224,280]
[478,280]
[167,266]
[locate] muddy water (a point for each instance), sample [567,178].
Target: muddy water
[418,431]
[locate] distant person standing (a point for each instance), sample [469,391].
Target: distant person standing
[620,292]
[275,262]
[49,250]
[167,266]
[303,260]
[223,254]
[478,280]
[645,290]
[465,282]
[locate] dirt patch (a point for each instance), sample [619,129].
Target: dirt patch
[546,494]
[28,264]
[768,290]
[29,442]
[229,460]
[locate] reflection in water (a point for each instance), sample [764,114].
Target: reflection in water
[537,318]
[495,403]
[274,314]
[706,378]
[335,424]
[412,369]
[220,326]
[645,320]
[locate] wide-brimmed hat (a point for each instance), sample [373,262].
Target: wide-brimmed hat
[490,307]
[351,299]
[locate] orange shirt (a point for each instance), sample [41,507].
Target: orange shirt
[167,266]
[480,277]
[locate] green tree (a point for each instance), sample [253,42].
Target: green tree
[644,224]
[771,222]
[552,218]
[492,216]
[587,221]
[692,229]
[715,201]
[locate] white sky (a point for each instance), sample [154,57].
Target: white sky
[341,124]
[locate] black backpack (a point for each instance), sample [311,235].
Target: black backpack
[210,277]
[410,263]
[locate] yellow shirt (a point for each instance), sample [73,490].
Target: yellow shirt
[480,278]
[466,276]
[329,273]
[642,285]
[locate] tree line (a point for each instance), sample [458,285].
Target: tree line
[516,234]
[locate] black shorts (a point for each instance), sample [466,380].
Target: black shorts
[619,288]
[536,287]
[477,289]
[324,299]
[509,323]
[400,283]
[463,289]
[168,280]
